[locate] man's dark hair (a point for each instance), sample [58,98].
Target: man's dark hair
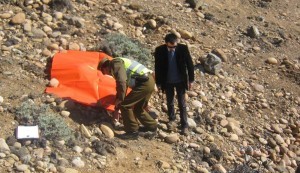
[102,66]
[171,38]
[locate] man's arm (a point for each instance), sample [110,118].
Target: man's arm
[189,65]
[120,76]
[157,67]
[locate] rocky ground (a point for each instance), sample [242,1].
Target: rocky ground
[245,118]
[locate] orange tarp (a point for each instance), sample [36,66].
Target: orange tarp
[80,80]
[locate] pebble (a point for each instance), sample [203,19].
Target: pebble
[65,113]
[196,104]
[53,46]
[86,132]
[46,52]
[220,54]
[272,61]
[74,46]
[77,149]
[258,88]
[22,167]
[172,138]
[1,99]
[263,141]
[107,131]
[191,123]
[70,170]
[233,137]
[54,83]
[163,165]
[279,140]
[276,128]
[219,168]
[3,145]
[185,34]
[152,23]
[77,162]
[5,15]
[18,18]
[206,150]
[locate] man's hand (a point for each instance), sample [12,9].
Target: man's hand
[116,115]
[190,85]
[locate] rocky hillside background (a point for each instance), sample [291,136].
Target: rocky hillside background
[244,118]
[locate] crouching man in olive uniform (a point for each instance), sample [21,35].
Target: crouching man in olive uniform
[129,73]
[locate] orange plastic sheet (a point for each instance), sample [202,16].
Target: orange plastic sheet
[80,80]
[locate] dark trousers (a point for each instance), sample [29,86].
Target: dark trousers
[180,90]
[133,106]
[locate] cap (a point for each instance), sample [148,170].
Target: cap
[102,62]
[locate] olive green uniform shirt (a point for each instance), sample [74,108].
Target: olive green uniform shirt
[117,69]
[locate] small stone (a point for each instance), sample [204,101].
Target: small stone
[172,138]
[74,46]
[46,52]
[77,149]
[220,168]
[263,141]
[162,134]
[253,32]
[65,113]
[276,128]
[186,34]
[1,99]
[152,23]
[17,145]
[210,138]
[86,132]
[196,104]
[77,162]
[220,54]
[279,140]
[272,61]
[206,150]
[54,83]
[191,123]
[88,150]
[58,15]
[18,18]
[194,145]
[117,26]
[69,170]
[224,123]
[233,137]
[22,167]
[163,165]
[5,15]
[258,88]
[3,145]
[202,170]
[192,94]
[47,29]
[107,131]
[53,46]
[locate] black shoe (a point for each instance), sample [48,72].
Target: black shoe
[129,136]
[185,131]
[147,129]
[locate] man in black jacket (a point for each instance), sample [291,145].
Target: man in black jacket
[174,69]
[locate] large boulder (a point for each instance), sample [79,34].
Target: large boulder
[212,63]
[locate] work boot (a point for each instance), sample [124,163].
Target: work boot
[185,131]
[172,126]
[147,129]
[129,136]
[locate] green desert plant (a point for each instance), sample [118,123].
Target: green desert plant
[61,5]
[51,124]
[123,46]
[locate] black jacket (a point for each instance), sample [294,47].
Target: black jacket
[184,63]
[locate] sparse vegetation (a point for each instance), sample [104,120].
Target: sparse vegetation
[52,126]
[61,5]
[123,46]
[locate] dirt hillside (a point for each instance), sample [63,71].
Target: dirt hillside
[244,118]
